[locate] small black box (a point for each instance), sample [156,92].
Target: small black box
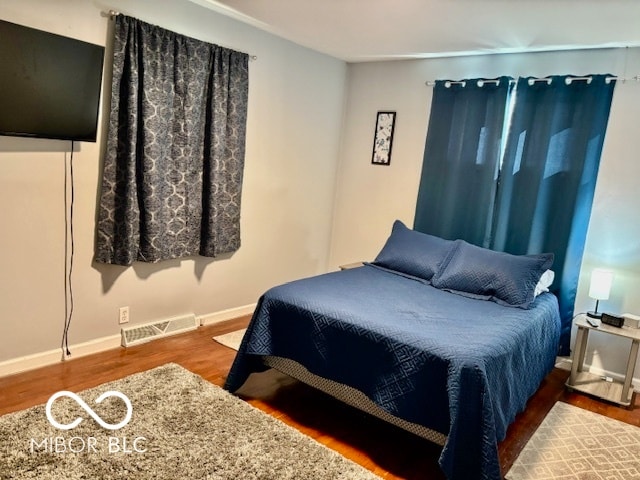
[613,320]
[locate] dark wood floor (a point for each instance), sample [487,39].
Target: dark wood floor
[387,451]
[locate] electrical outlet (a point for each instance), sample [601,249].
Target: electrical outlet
[124,315]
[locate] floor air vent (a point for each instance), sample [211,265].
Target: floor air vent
[162,328]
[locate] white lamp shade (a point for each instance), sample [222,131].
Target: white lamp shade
[600,286]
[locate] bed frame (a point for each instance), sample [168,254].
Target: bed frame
[350,396]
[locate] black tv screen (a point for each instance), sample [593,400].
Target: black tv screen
[49,84]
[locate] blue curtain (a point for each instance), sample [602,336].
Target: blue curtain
[461,159]
[531,194]
[548,176]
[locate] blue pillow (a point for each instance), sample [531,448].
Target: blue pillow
[413,253]
[501,277]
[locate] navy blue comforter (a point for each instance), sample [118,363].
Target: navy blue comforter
[461,366]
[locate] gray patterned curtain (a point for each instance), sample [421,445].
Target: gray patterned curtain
[174,163]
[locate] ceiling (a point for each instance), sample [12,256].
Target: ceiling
[373,30]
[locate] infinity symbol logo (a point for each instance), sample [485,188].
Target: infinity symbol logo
[94,415]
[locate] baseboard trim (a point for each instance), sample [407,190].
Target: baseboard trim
[224,315]
[563,363]
[51,357]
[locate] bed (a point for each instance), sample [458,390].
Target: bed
[431,339]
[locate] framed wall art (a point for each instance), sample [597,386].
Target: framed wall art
[383,138]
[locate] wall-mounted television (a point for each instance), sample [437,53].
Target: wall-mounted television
[49,84]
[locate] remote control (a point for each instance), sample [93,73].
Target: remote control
[594,322]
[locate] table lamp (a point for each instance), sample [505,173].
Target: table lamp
[599,288]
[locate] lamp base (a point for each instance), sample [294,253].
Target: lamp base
[593,314]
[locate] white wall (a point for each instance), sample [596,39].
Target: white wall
[370,197]
[296,99]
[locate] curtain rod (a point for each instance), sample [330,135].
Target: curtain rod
[568,80]
[112,14]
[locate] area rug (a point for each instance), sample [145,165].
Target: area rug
[181,427]
[232,339]
[575,444]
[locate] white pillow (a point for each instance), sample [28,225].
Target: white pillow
[546,279]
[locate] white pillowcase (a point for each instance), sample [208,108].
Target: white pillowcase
[546,279]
